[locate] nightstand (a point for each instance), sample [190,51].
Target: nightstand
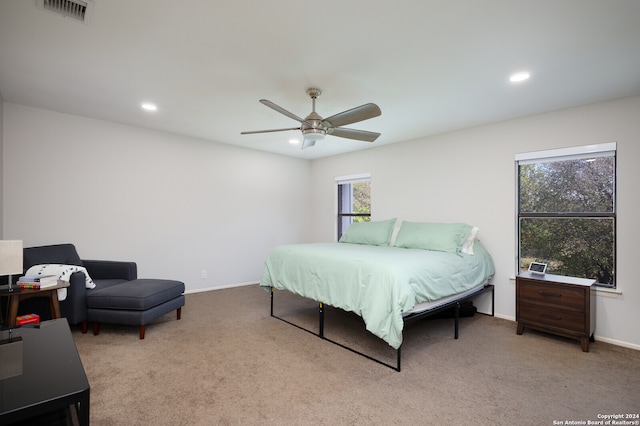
[556,304]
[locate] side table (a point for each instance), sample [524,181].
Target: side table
[556,304]
[49,292]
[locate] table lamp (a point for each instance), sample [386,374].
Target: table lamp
[11,348]
[10,262]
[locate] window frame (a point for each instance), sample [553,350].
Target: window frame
[343,180]
[565,154]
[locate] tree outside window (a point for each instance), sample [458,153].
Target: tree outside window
[354,203]
[567,216]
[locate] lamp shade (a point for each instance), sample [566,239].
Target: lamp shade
[10,257]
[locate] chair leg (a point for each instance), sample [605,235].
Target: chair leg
[96,328]
[85,326]
[179,312]
[142,332]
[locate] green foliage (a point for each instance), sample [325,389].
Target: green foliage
[362,200]
[564,192]
[574,247]
[577,186]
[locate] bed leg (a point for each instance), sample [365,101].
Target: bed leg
[399,357]
[321,319]
[493,301]
[456,315]
[271,301]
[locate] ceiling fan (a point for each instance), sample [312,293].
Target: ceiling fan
[314,127]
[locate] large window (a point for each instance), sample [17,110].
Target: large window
[354,201]
[567,211]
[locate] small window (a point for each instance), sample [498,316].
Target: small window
[567,211]
[354,201]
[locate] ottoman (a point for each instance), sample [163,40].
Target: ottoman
[137,302]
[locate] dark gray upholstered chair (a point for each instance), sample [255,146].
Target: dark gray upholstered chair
[118,298]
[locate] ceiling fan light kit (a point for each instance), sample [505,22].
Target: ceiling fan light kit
[314,134]
[315,128]
[306,143]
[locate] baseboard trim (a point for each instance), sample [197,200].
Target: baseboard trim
[505,317]
[222,287]
[617,342]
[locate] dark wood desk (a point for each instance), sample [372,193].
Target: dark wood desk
[49,292]
[52,378]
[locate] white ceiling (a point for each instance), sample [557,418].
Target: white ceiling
[431,65]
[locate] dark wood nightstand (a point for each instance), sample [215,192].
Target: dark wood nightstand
[556,304]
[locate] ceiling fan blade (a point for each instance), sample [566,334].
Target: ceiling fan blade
[268,131]
[281,110]
[361,113]
[360,135]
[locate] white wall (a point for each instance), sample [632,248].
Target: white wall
[178,205]
[175,205]
[469,176]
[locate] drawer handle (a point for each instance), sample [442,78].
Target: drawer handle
[546,293]
[553,317]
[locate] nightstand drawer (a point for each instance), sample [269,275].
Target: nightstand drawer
[561,295]
[566,320]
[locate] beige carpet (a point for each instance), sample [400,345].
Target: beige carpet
[227,362]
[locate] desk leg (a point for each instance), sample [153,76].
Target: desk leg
[82,409]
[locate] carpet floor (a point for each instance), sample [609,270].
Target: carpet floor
[227,362]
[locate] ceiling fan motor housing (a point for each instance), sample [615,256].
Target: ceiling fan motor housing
[313,128]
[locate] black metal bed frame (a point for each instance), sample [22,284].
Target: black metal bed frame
[407,320]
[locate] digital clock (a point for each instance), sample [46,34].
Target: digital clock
[537,268]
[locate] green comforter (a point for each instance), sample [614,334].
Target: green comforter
[377,283]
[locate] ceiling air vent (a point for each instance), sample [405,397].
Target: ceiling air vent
[76,9]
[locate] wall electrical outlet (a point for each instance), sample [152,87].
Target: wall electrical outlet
[203,274]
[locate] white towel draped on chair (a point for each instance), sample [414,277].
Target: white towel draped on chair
[63,272]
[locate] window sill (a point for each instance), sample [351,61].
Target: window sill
[608,292]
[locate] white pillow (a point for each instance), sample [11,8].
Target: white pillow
[394,233]
[467,245]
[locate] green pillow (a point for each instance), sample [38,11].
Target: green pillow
[447,237]
[370,233]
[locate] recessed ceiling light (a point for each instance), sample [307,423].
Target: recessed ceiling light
[519,77]
[149,106]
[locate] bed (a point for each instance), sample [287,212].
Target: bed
[423,269]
